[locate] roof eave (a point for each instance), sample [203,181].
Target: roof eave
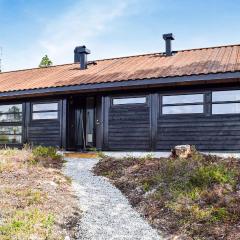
[201,78]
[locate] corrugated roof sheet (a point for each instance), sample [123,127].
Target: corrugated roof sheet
[182,63]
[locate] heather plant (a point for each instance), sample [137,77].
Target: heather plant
[195,193]
[45,152]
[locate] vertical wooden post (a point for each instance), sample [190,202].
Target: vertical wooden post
[63,120]
[154,111]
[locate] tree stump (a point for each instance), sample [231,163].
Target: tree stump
[181,151]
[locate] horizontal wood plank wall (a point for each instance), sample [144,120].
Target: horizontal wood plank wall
[129,127]
[215,133]
[45,132]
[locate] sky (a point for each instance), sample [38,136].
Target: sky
[29,29]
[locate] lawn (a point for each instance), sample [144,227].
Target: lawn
[36,199]
[193,198]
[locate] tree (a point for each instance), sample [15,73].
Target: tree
[45,62]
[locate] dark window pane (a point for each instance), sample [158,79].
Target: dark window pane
[11,108]
[182,109]
[227,108]
[10,130]
[45,115]
[5,139]
[90,121]
[226,96]
[185,98]
[132,100]
[79,134]
[12,117]
[45,107]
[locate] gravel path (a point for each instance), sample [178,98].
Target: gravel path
[107,215]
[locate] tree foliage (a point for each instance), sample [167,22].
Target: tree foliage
[45,62]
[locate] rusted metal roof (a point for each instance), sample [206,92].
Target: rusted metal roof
[149,66]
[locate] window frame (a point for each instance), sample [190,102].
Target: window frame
[14,123]
[129,104]
[203,104]
[45,111]
[222,102]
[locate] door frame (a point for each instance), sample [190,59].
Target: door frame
[75,103]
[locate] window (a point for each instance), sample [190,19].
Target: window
[44,111]
[11,124]
[90,121]
[11,113]
[226,102]
[182,104]
[129,100]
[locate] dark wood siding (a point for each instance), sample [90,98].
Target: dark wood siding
[45,132]
[129,127]
[144,127]
[210,133]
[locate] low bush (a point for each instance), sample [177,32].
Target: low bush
[194,195]
[46,152]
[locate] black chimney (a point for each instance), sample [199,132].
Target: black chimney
[168,40]
[80,56]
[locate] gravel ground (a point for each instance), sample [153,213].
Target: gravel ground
[107,214]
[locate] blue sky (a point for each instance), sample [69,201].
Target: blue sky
[30,29]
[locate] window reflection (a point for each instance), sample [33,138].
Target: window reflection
[15,117]
[90,121]
[11,117]
[222,96]
[45,107]
[44,111]
[45,115]
[223,102]
[227,108]
[182,109]
[10,139]
[10,108]
[10,129]
[185,98]
[129,100]
[182,104]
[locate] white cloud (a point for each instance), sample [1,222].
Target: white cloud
[79,25]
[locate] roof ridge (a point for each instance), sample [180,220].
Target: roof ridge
[162,53]
[36,68]
[130,56]
[213,47]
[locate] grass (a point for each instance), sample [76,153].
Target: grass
[34,193]
[29,195]
[24,224]
[195,195]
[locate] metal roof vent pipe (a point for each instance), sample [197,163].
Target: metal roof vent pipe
[168,41]
[80,56]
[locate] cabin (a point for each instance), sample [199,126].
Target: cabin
[148,102]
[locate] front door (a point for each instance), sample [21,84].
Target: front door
[82,129]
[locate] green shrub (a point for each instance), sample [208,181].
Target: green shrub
[26,223]
[219,214]
[146,186]
[205,176]
[46,152]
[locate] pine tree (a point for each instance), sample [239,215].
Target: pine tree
[45,62]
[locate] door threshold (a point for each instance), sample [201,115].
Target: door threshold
[80,155]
